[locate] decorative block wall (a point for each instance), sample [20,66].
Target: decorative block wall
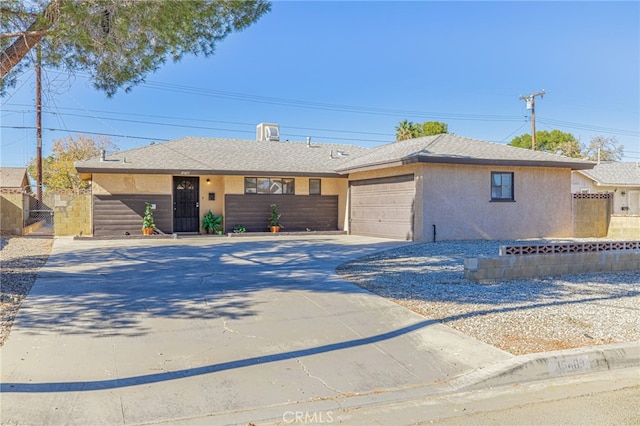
[545,260]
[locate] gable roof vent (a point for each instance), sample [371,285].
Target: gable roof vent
[268,132]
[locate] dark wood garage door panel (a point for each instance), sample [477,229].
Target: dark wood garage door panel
[117,214]
[383,207]
[299,212]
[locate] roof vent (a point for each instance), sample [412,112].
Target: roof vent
[267,132]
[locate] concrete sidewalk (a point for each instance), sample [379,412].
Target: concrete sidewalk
[220,331]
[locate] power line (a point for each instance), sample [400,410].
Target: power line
[53,129]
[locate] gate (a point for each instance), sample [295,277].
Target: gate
[40,221]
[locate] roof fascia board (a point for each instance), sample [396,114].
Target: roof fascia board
[468,161]
[89,170]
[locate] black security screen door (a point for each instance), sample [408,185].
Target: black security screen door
[186,209]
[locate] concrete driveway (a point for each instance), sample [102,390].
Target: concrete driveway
[217,331]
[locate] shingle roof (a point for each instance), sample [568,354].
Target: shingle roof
[453,149]
[227,156]
[615,174]
[12,177]
[233,156]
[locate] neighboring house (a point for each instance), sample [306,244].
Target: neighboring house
[621,179]
[14,179]
[14,199]
[458,187]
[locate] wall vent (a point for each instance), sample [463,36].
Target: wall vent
[267,132]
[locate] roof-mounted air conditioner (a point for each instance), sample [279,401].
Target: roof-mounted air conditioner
[267,132]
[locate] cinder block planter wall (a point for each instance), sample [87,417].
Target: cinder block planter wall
[521,262]
[72,214]
[624,228]
[13,211]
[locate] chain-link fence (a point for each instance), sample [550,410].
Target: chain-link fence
[40,217]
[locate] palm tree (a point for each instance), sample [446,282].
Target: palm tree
[406,130]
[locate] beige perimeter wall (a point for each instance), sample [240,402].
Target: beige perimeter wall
[457,199]
[12,213]
[72,214]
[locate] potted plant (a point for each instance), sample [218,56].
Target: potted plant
[212,223]
[148,224]
[274,219]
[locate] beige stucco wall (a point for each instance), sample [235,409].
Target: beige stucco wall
[457,199]
[106,184]
[216,185]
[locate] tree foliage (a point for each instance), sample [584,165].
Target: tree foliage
[118,42]
[554,142]
[409,130]
[58,171]
[562,143]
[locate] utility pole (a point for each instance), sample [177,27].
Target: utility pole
[531,104]
[38,123]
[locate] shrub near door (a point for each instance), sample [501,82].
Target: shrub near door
[212,223]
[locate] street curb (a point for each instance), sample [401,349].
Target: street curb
[546,365]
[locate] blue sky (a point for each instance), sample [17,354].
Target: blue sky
[349,72]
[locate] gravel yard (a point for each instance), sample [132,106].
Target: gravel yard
[517,316]
[21,259]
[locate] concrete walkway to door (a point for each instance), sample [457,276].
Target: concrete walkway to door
[217,331]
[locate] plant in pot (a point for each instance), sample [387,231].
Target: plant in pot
[212,223]
[274,219]
[148,224]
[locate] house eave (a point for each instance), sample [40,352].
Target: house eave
[469,161]
[88,171]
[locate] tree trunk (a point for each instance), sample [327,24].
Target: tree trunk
[32,36]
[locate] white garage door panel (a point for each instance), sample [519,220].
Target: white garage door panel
[383,207]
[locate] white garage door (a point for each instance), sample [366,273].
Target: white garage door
[383,207]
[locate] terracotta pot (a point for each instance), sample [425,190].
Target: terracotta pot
[274,229]
[147,231]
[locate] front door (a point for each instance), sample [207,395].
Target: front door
[186,208]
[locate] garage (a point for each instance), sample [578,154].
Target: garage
[382,207]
